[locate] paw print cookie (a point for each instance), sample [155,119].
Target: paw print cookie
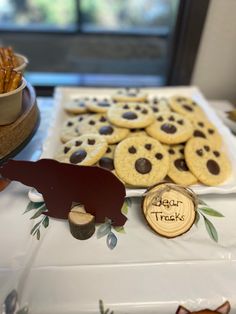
[186,107]
[170,128]
[131,115]
[98,124]
[99,105]
[178,170]
[209,164]
[204,129]
[91,123]
[159,105]
[129,95]
[69,129]
[107,160]
[83,150]
[76,105]
[141,161]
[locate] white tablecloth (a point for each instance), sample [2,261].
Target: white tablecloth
[143,274]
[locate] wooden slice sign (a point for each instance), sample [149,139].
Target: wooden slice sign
[169,209]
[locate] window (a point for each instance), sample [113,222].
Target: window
[99,39]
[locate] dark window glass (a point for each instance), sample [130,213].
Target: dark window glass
[38,14]
[129,16]
[135,38]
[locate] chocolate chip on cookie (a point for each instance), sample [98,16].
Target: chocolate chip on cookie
[91,141]
[107,163]
[132,150]
[148,146]
[66,149]
[168,128]
[107,160]
[106,129]
[78,156]
[129,115]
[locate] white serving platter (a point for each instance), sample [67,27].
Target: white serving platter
[65,94]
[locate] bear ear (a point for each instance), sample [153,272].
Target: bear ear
[224,308]
[182,310]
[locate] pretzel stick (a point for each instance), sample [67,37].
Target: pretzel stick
[13,73]
[14,82]
[1,59]
[7,57]
[9,51]
[15,61]
[2,78]
[8,61]
[8,72]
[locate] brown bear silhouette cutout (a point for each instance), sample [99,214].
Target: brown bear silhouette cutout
[223,309]
[98,189]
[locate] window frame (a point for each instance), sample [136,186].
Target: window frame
[186,40]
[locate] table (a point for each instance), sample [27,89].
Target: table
[59,274]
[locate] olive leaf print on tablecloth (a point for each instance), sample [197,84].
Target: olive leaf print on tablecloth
[203,210]
[10,305]
[39,209]
[102,309]
[105,229]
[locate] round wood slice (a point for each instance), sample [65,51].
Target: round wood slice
[15,136]
[82,225]
[169,212]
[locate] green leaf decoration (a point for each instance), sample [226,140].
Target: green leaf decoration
[32,205]
[103,230]
[210,211]
[129,201]
[211,229]
[46,222]
[108,220]
[119,229]
[29,207]
[101,307]
[24,310]
[125,208]
[197,218]
[38,234]
[201,202]
[39,212]
[102,310]
[111,240]
[35,227]
[10,302]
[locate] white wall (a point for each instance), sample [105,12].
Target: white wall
[215,68]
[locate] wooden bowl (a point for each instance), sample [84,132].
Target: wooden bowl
[15,136]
